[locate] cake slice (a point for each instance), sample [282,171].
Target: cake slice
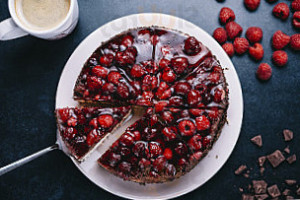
[204,87]
[164,145]
[82,129]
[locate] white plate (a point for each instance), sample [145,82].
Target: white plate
[215,159]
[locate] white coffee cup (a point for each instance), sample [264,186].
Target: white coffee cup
[13,27]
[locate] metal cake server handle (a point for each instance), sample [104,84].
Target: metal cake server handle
[22,161]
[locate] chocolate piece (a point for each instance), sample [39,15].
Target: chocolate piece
[274,191]
[290,182]
[257,140]
[261,160]
[260,187]
[287,150]
[262,170]
[288,135]
[291,159]
[276,158]
[261,196]
[240,170]
[298,191]
[247,197]
[286,192]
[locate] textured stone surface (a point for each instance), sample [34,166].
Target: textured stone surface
[30,69]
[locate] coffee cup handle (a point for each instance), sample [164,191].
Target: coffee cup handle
[9,30]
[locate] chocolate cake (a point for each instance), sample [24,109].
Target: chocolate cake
[181,84]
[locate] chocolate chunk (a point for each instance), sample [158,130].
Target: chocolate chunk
[298,191]
[287,150]
[257,140]
[247,197]
[290,182]
[274,191]
[261,160]
[291,159]
[276,158]
[261,196]
[286,192]
[262,170]
[288,135]
[260,187]
[240,170]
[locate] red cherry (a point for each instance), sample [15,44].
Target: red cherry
[64,114]
[194,97]
[127,140]
[163,63]
[162,87]
[218,96]
[187,128]
[144,163]
[206,141]
[140,149]
[168,153]
[105,121]
[94,123]
[182,88]
[170,133]
[137,135]
[182,162]
[169,76]
[106,59]
[92,137]
[202,123]
[72,121]
[70,133]
[149,83]
[167,116]
[94,83]
[155,149]
[159,106]
[137,71]
[127,41]
[167,94]
[100,71]
[159,163]
[181,149]
[192,46]
[114,77]
[179,64]
[195,142]
[123,91]
[109,88]
[213,113]
[214,77]
[176,101]
[196,112]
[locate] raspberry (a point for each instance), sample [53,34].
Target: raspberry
[233,30]
[281,11]
[254,34]
[280,40]
[295,42]
[228,48]
[296,19]
[280,58]
[256,51]
[226,15]
[202,123]
[252,4]
[220,35]
[105,121]
[241,45]
[296,5]
[168,153]
[264,72]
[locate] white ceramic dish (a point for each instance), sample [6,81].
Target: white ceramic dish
[215,159]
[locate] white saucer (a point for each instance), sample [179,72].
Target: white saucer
[215,159]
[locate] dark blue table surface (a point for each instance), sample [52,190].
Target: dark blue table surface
[30,69]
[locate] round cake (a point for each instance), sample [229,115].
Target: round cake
[180,85]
